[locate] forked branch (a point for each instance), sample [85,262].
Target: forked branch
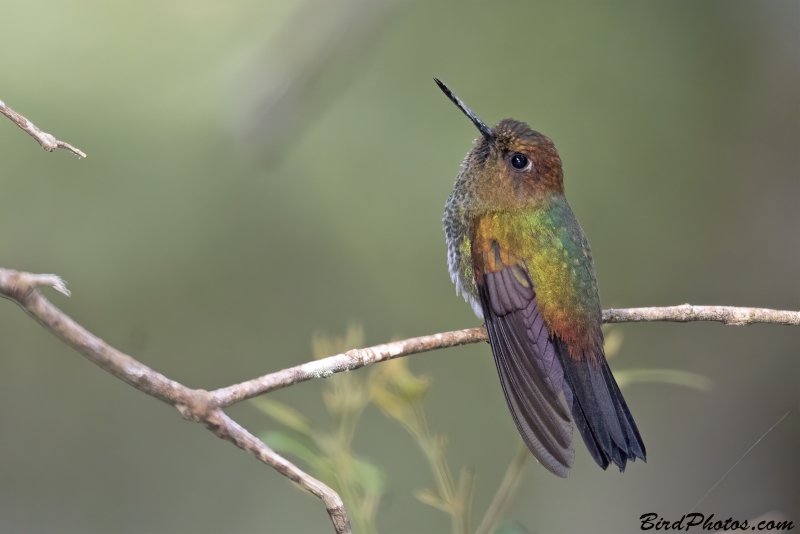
[193,404]
[205,407]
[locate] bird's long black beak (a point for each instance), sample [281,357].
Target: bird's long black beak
[479,124]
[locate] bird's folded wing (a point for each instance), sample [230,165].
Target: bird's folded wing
[530,371]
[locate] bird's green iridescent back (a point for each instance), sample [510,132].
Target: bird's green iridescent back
[546,237]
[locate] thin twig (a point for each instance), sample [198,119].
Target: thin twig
[228,429]
[502,499]
[203,407]
[357,358]
[349,361]
[753,446]
[686,313]
[48,141]
[193,404]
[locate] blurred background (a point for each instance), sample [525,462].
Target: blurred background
[262,171]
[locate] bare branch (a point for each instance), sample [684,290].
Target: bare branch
[357,358]
[21,288]
[203,407]
[686,313]
[48,141]
[228,429]
[349,361]
[193,404]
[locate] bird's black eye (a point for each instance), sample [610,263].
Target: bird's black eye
[519,161]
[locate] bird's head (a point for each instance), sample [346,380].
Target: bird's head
[510,164]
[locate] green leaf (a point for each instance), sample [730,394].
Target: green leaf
[284,443]
[664,376]
[613,342]
[390,404]
[371,477]
[285,415]
[432,499]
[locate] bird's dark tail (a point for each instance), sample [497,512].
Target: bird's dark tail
[599,410]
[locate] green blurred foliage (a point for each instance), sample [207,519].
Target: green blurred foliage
[400,395]
[329,454]
[190,245]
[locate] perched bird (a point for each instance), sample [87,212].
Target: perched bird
[518,255]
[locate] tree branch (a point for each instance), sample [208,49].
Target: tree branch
[356,358]
[686,313]
[226,428]
[193,404]
[349,361]
[48,141]
[205,407]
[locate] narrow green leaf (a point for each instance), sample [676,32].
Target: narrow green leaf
[431,499]
[285,415]
[613,342]
[284,443]
[664,376]
[371,477]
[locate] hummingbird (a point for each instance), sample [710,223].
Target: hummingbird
[517,254]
